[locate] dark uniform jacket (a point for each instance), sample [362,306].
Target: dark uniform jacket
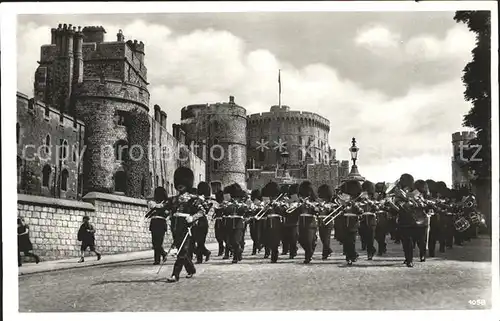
[182,206]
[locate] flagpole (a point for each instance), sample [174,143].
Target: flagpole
[279,85]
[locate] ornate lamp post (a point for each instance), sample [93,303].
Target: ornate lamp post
[354,174]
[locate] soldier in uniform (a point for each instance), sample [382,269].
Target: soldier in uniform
[448,226]
[235,220]
[368,221]
[406,218]
[307,220]
[436,233]
[158,223]
[255,225]
[273,223]
[284,242]
[186,209]
[350,221]
[382,220]
[337,224]
[219,227]
[291,222]
[325,195]
[421,218]
[200,228]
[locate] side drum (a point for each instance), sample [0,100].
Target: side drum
[461,224]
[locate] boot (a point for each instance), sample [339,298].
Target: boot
[81,260]
[207,257]
[221,250]
[172,279]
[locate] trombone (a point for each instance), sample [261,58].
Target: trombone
[328,219]
[263,211]
[299,204]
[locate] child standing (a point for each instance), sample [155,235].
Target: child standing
[86,234]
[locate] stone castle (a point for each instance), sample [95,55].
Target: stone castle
[460,176]
[92,102]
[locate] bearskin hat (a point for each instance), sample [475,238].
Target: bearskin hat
[352,188]
[204,189]
[219,196]
[293,189]
[183,176]
[368,187]
[255,195]
[160,194]
[441,188]
[406,181]
[421,186]
[431,185]
[234,190]
[380,187]
[271,190]
[325,192]
[306,190]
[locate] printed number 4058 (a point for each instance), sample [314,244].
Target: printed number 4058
[477,302]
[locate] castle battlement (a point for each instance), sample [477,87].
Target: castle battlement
[284,114]
[462,136]
[221,108]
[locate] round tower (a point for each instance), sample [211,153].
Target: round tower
[219,130]
[303,135]
[113,103]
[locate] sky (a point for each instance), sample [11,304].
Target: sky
[392,80]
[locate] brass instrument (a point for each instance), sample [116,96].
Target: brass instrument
[263,211]
[297,205]
[333,215]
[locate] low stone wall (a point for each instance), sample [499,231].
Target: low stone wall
[53,224]
[118,220]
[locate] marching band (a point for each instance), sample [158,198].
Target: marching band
[419,213]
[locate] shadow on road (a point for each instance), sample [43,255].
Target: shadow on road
[128,281]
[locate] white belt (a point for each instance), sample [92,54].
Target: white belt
[307,215]
[218,218]
[182,215]
[160,217]
[234,216]
[323,216]
[368,214]
[273,215]
[350,214]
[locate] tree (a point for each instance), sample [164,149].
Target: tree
[477,79]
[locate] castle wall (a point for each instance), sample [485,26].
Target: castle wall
[298,129]
[167,153]
[36,121]
[118,220]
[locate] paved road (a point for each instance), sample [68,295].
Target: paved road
[446,282]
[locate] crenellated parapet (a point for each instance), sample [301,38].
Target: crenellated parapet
[462,136]
[284,114]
